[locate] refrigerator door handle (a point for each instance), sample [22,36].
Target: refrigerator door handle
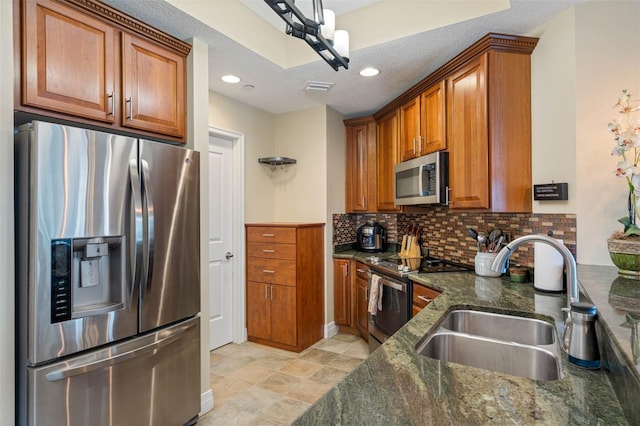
[148,198]
[138,224]
[153,347]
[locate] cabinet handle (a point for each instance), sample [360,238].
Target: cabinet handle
[414,147]
[110,101]
[366,294]
[268,251]
[425,299]
[268,235]
[271,292]
[129,108]
[362,271]
[446,191]
[420,145]
[266,296]
[268,271]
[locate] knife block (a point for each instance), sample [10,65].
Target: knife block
[410,247]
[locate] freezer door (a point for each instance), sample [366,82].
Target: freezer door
[151,380]
[74,217]
[170,287]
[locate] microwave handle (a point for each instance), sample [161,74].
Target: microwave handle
[420,172]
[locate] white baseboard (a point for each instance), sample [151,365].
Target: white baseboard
[330,329]
[206,402]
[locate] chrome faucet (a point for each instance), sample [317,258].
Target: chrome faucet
[500,262]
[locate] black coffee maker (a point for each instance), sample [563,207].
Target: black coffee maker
[371,237]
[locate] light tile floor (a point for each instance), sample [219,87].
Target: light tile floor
[254,384]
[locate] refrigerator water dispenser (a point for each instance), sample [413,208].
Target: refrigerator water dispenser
[98,275]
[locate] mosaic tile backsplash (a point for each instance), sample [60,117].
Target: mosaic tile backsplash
[445,232]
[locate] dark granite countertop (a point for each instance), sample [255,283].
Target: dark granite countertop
[397,386]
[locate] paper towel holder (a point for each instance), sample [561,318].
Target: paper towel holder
[554,281]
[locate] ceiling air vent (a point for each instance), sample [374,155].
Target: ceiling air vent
[317,86]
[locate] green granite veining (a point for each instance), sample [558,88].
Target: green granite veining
[397,386]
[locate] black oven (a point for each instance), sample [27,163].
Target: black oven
[396,307]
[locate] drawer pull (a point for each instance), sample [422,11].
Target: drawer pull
[268,271]
[362,271]
[268,235]
[425,299]
[268,251]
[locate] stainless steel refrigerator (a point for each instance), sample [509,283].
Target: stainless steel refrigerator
[108,279]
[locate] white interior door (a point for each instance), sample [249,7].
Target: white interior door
[221,215]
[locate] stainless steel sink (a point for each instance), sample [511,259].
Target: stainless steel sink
[528,331]
[521,346]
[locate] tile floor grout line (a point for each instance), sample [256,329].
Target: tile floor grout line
[282,396]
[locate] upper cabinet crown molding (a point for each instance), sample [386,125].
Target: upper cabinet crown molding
[127,22]
[490,42]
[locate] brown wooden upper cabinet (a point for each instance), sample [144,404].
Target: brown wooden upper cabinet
[388,153]
[361,165]
[422,123]
[87,60]
[153,87]
[489,133]
[477,106]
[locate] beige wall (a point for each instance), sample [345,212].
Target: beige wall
[553,110]
[585,57]
[198,138]
[300,190]
[7,301]
[258,128]
[607,61]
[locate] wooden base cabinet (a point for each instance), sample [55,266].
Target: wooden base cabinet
[285,284]
[422,296]
[343,295]
[273,313]
[350,297]
[362,300]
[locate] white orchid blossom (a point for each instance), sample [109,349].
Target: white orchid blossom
[626,135]
[626,169]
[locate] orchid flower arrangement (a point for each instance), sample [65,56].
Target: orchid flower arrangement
[626,135]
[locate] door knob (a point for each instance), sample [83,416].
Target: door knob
[229,255]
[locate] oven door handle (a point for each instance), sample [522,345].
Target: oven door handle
[395,285]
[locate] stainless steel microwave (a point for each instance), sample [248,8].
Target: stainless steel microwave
[423,180]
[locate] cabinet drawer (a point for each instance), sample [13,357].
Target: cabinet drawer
[271,234]
[362,271]
[422,295]
[272,271]
[272,251]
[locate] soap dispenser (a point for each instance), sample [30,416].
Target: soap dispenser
[579,337]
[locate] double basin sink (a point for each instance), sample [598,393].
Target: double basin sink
[516,345]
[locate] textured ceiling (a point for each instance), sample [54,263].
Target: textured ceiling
[403,61]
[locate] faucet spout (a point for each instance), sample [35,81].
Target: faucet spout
[500,262]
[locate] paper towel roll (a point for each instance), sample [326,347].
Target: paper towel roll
[548,267]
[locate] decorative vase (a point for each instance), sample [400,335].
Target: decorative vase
[625,254]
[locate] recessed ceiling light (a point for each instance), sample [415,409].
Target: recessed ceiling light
[369,72]
[230,79]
